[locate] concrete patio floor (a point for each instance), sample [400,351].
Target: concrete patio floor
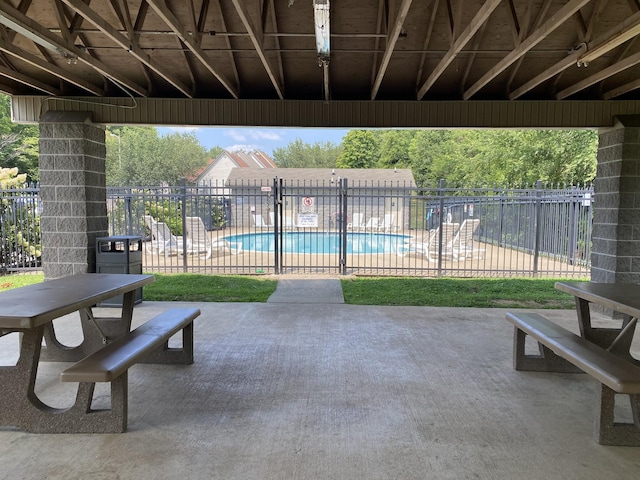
[302,390]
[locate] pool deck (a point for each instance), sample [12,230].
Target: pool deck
[490,261]
[306,391]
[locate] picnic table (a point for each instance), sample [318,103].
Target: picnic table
[108,349]
[604,352]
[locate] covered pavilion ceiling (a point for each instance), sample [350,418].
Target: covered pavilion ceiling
[373,49]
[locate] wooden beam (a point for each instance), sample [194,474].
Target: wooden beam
[427,39]
[169,18]
[628,62]
[555,21]
[621,90]
[220,15]
[569,61]
[52,68]
[22,20]
[392,38]
[256,37]
[125,43]
[467,34]
[30,82]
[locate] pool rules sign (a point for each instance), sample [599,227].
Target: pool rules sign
[307,216]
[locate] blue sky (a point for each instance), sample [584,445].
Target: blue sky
[252,138]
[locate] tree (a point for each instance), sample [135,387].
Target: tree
[18,143]
[394,148]
[137,155]
[213,152]
[504,156]
[303,155]
[359,150]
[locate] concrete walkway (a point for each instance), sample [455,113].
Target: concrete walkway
[306,290]
[316,391]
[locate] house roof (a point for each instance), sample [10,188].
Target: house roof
[315,176]
[254,160]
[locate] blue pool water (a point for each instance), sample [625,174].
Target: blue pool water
[320,242]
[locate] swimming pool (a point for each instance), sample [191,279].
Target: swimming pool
[320,242]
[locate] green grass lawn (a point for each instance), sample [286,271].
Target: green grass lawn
[437,292]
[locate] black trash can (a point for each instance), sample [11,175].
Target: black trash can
[119,254]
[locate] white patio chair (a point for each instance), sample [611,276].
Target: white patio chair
[162,241]
[199,241]
[387,224]
[372,224]
[462,245]
[258,221]
[356,223]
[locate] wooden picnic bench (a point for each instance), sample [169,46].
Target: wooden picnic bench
[147,343]
[560,350]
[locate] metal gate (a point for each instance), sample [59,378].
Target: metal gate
[300,238]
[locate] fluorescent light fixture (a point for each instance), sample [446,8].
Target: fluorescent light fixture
[23,30]
[322,29]
[619,38]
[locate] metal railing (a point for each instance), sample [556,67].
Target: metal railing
[336,227]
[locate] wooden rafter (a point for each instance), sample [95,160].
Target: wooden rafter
[30,82]
[169,18]
[392,38]
[427,39]
[471,58]
[257,37]
[526,26]
[271,9]
[531,41]
[227,41]
[91,16]
[52,68]
[21,19]
[567,62]
[382,11]
[628,62]
[467,34]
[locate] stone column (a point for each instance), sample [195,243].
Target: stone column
[616,213]
[73,192]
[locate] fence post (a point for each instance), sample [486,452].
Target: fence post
[538,229]
[129,211]
[343,225]
[277,211]
[572,246]
[183,211]
[440,222]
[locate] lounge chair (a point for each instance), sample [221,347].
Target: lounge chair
[429,245]
[372,224]
[258,221]
[286,221]
[462,244]
[387,224]
[162,241]
[356,222]
[198,240]
[449,231]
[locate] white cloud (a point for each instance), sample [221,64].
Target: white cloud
[266,135]
[237,135]
[242,135]
[183,129]
[243,147]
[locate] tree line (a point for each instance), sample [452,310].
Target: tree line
[459,156]
[139,155]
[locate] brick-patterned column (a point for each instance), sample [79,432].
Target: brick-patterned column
[616,213]
[73,192]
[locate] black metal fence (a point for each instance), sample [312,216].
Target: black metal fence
[336,227]
[20,248]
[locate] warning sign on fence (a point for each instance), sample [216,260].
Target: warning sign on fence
[308,205]
[307,220]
